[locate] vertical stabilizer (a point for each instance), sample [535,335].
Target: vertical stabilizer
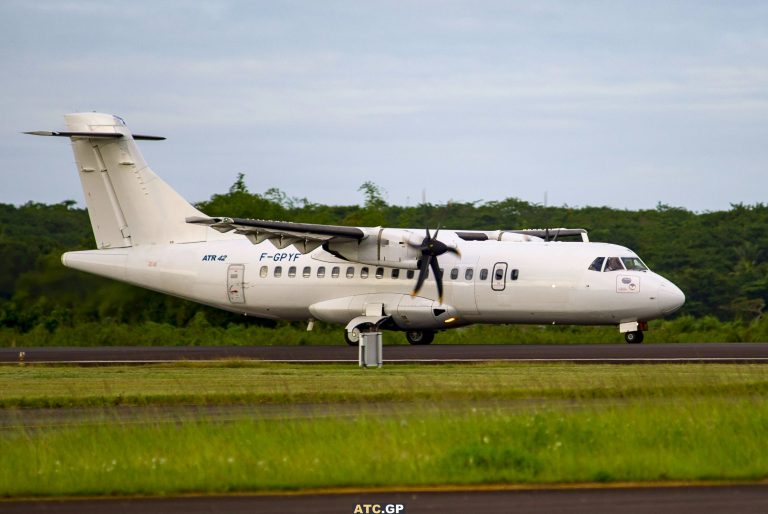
[128,204]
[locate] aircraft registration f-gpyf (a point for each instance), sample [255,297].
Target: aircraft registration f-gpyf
[366,278]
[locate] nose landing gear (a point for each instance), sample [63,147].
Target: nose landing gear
[633,331]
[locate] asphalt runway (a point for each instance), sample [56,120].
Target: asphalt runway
[626,500]
[587,353]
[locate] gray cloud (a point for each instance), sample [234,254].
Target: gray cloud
[616,103]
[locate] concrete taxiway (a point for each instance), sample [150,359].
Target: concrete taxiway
[578,500]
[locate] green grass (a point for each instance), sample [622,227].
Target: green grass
[688,439]
[243,382]
[198,332]
[411,425]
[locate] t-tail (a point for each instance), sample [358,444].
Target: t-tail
[128,204]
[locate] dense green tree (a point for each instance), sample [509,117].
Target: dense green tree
[720,259]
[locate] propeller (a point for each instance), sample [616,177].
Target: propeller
[546,235]
[430,249]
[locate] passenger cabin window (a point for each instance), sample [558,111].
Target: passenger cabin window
[306,272]
[597,264]
[409,274]
[364,272]
[468,274]
[515,273]
[278,271]
[335,272]
[351,272]
[292,272]
[454,273]
[634,264]
[321,272]
[484,274]
[395,273]
[263,272]
[613,264]
[379,272]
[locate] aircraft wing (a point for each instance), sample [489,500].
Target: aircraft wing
[304,236]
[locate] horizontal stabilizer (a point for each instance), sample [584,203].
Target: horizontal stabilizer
[93,135]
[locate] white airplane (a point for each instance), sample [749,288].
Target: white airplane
[366,278]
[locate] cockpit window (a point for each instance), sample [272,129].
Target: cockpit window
[597,264]
[613,264]
[634,264]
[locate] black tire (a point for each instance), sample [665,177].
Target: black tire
[634,337]
[420,336]
[354,340]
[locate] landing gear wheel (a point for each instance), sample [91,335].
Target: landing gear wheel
[633,337]
[420,336]
[353,338]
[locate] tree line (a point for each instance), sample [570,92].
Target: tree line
[717,258]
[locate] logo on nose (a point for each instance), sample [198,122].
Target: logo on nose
[627,284]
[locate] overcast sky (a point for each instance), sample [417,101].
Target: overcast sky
[625,104]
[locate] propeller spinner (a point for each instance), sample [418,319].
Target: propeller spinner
[430,249]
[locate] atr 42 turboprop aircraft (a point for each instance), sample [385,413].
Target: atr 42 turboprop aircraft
[360,277]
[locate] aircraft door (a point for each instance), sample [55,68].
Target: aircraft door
[235,278]
[499,277]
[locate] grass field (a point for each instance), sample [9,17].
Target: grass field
[490,423]
[684,329]
[244,382]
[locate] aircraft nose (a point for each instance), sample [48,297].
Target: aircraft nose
[670,297]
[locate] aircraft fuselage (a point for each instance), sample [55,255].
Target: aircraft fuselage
[492,282]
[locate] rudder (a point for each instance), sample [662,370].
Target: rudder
[128,204]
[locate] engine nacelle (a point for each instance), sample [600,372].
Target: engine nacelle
[382,247]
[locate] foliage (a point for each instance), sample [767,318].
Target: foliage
[719,259]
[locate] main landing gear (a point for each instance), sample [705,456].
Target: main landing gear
[635,337]
[413,336]
[420,336]
[353,337]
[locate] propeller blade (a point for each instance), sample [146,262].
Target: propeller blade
[454,251]
[423,270]
[438,278]
[413,245]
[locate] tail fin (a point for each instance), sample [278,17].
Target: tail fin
[128,204]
